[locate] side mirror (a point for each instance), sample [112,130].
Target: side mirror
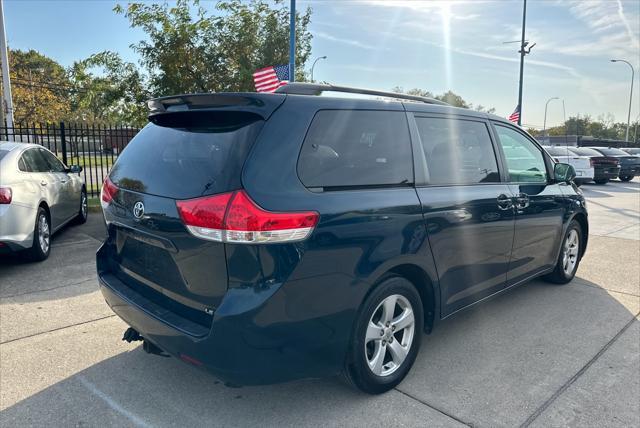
[563,173]
[75,169]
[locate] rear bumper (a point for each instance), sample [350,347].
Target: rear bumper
[608,173]
[16,227]
[631,170]
[250,342]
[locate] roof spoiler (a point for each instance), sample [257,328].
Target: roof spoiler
[261,104]
[317,89]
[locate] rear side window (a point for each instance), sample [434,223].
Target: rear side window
[457,151]
[190,157]
[34,161]
[356,148]
[3,153]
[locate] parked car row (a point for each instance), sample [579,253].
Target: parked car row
[598,164]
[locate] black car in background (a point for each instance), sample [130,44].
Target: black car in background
[629,164]
[605,168]
[270,237]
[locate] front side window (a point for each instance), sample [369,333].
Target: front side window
[457,151]
[356,148]
[54,163]
[524,159]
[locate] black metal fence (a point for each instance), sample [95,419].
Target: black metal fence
[94,147]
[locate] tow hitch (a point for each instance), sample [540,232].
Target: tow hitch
[132,335]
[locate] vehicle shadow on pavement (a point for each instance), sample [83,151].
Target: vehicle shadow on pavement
[71,262]
[495,364]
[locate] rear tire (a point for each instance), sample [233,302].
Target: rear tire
[602,181]
[386,337]
[569,257]
[626,177]
[83,212]
[41,246]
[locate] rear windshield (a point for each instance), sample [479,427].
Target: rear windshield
[583,151]
[613,152]
[187,162]
[633,151]
[558,151]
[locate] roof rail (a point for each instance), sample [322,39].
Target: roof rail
[299,88]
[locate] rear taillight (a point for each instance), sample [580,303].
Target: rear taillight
[108,192]
[233,217]
[5,195]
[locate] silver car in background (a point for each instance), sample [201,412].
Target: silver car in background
[38,196]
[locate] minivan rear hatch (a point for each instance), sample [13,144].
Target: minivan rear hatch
[195,146]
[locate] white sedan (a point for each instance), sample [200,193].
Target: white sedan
[582,164]
[38,196]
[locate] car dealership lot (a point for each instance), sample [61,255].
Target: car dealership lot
[540,355]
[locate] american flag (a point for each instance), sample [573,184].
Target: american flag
[515,116]
[269,79]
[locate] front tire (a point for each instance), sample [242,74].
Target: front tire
[83,212]
[569,257]
[386,336]
[41,246]
[626,177]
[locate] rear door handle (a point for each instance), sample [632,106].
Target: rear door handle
[43,183]
[505,202]
[522,201]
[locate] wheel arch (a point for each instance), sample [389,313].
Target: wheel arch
[423,283]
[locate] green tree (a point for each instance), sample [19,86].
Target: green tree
[107,89]
[189,49]
[449,97]
[39,87]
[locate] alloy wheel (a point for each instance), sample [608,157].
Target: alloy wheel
[83,205]
[570,252]
[44,234]
[389,335]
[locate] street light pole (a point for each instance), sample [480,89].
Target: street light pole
[314,64]
[522,54]
[626,138]
[544,126]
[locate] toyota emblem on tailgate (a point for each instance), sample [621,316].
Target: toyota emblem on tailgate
[138,209]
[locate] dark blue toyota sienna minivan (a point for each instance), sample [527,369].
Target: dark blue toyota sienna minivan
[270,237]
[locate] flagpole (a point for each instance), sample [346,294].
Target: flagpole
[292,42]
[522,54]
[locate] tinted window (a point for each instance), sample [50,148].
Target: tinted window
[53,162]
[356,148]
[612,152]
[524,159]
[457,151]
[184,163]
[34,161]
[583,151]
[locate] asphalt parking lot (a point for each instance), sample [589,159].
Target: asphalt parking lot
[541,355]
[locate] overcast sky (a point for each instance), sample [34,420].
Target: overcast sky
[434,45]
